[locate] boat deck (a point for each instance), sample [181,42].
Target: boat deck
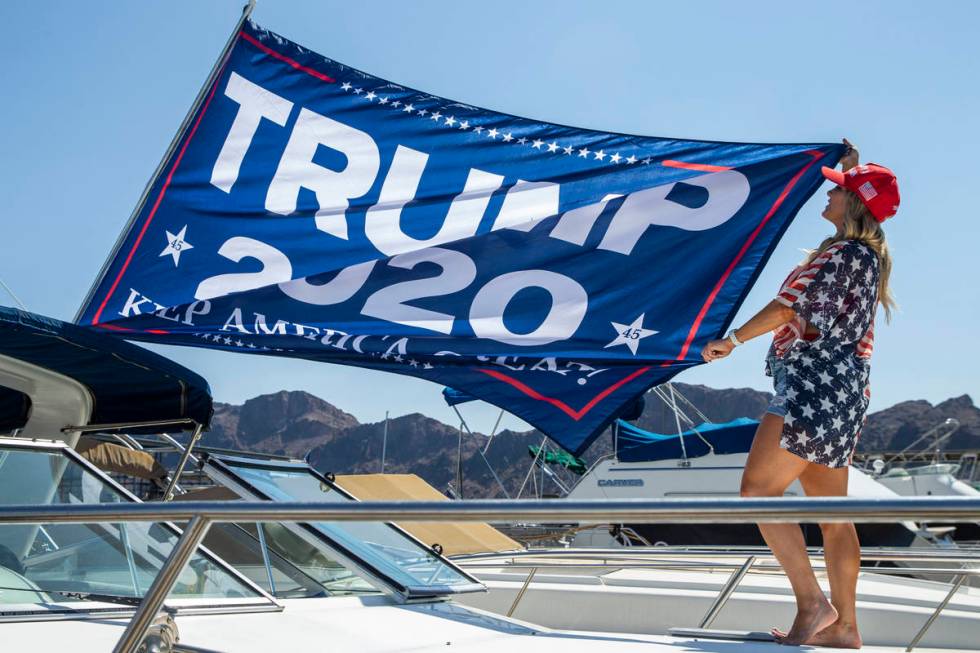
[374,625]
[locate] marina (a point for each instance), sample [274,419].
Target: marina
[309,216]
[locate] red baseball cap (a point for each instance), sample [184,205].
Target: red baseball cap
[874,184]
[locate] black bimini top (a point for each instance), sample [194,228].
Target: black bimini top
[127,383]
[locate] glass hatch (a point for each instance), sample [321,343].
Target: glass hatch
[282,563]
[381,550]
[67,563]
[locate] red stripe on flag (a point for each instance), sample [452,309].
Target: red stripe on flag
[156,205]
[281,57]
[703,167]
[113,327]
[558,403]
[738,257]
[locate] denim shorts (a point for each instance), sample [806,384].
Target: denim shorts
[779,403]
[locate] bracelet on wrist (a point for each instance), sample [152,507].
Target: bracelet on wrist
[733,338]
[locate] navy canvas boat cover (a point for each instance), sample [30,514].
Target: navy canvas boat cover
[454,397]
[636,445]
[128,383]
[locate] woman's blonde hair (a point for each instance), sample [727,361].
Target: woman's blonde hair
[860,225]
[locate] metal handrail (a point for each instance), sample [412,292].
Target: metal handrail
[630,555]
[201,514]
[714,566]
[688,511]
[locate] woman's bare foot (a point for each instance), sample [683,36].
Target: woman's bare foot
[837,635]
[809,621]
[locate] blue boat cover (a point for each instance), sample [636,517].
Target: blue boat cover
[636,445]
[127,383]
[454,397]
[312,210]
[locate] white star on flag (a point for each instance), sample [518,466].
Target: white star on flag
[176,245]
[345,86]
[552,146]
[630,334]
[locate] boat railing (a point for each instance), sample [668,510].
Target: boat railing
[740,561]
[201,515]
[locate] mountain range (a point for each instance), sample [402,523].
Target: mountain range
[299,424]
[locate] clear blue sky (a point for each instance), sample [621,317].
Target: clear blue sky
[94,91]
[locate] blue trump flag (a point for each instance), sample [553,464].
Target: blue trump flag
[311,210]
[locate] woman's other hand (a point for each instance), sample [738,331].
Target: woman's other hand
[717,349]
[850,158]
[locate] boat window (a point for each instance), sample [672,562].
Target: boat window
[295,568]
[57,563]
[384,548]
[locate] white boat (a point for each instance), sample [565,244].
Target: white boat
[938,479]
[77,585]
[919,470]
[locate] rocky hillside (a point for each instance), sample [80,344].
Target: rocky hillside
[894,428]
[286,422]
[302,425]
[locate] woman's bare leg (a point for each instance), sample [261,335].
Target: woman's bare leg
[769,470]
[842,554]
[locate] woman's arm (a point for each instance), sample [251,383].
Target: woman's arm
[771,317]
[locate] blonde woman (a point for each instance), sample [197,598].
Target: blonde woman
[823,330]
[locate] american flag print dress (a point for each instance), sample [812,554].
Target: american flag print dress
[825,386]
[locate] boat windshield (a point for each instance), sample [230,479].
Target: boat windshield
[383,549]
[68,563]
[282,563]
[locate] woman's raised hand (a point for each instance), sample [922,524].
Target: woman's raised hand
[717,349]
[850,158]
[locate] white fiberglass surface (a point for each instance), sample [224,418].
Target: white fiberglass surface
[386,549]
[71,562]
